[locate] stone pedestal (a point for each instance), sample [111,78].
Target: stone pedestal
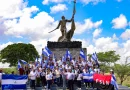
[59,48]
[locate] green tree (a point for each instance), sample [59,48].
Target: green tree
[12,53]
[122,70]
[107,58]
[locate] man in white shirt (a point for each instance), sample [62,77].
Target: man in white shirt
[70,78]
[73,61]
[32,76]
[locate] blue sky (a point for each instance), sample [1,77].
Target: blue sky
[101,25]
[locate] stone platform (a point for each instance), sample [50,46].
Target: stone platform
[60,48]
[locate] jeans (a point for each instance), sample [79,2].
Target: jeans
[49,82]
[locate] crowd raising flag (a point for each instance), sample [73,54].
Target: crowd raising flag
[10,82]
[46,51]
[82,54]
[68,55]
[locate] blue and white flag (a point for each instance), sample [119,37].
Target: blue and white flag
[113,82]
[23,62]
[19,65]
[87,77]
[64,58]
[95,58]
[54,58]
[46,52]
[68,55]
[14,82]
[82,54]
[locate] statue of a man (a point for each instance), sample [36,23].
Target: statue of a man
[62,25]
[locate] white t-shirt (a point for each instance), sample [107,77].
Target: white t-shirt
[57,73]
[67,67]
[33,75]
[79,77]
[43,74]
[70,76]
[38,73]
[89,63]
[49,76]
[84,63]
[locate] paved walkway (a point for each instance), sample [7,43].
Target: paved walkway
[55,87]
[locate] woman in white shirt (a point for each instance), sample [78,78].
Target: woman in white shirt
[49,78]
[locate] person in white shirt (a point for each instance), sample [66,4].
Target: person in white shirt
[70,78]
[57,76]
[68,67]
[32,76]
[79,79]
[49,78]
[43,77]
[0,77]
[73,61]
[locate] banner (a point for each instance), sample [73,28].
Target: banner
[14,81]
[103,82]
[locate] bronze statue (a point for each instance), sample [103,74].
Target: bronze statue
[66,36]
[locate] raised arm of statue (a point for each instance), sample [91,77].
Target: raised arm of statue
[71,19]
[58,25]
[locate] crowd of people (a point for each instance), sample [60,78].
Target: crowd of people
[64,73]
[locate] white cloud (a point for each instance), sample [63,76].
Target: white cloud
[114,37]
[126,35]
[39,44]
[119,0]
[87,25]
[45,2]
[119,22]
[97,32]
[11,9]
[34,28]
[92,1]
[106,44]
[58,8]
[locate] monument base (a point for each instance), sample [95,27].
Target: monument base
[60,48]
[73,44]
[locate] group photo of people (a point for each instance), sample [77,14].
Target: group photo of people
[63,72]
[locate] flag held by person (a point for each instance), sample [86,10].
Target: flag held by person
[19,65]
[95,58]
[102,82]
[14,82]
[82,54]
[46,51]
[23,62]
[68,55]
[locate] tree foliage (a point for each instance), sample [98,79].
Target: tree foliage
[12,53]
[122,70]
[108,57]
